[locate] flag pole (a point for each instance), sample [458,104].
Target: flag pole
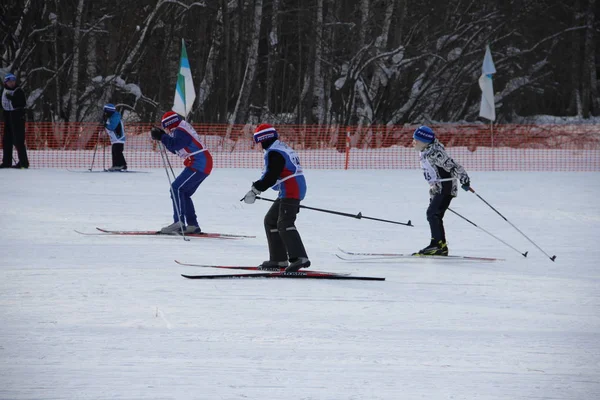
[493,147]
[487,108]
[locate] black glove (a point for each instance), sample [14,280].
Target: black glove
[156,133]
[465,184]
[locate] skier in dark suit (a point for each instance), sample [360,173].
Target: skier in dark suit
[282,172]
[13,103]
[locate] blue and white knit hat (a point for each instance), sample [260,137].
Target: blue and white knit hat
[424,134]
[9,77]
[110,108]
[264,132]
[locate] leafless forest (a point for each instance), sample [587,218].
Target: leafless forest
[353,62]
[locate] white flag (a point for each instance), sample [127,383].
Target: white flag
[185,94]
[487,109]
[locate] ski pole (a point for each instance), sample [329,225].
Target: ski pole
[511,224]
[167,159]
[169,164]
[163,155]
[492,235]
[445,180]
[104,157]
[343,214]
[95,149]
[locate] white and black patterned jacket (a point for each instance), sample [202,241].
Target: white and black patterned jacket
[436,165]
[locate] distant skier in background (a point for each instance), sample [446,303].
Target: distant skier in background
[282,172]
[184,141]
[116,132]
[13,104]
[437,165]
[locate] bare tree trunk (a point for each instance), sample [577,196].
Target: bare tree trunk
[273,57]
[224,101]
[400,21]
[205,87]
[380,78]
[318,89]
[364,17]
[58,104]
[73,101]
[240,112]
[359,85]
[236,45]
[589,93]
[576,104]
[326,44]
[90,110]
[303,110]
[92,59]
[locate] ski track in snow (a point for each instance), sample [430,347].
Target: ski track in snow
[95,317]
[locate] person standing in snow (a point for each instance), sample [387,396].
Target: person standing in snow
[438,167]
[180,138]
[116,132]
[13,104]
[282,172]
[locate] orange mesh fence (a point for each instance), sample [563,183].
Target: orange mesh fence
[476,147]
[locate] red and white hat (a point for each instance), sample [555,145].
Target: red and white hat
[264,132]
[170,120]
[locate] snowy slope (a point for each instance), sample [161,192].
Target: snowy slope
[88,317]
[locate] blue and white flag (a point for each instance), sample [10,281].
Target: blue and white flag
[487,109]
[185,94]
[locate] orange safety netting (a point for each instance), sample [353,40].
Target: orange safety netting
[507,147]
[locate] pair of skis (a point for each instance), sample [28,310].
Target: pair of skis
[274,273]
[203,235]
[352,256]
[312,274]
[302,274]
[128,171]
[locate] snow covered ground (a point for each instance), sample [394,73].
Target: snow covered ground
[89,317]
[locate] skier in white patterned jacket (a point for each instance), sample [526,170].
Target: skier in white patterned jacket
[438,169]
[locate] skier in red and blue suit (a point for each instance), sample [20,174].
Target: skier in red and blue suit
[282,172]
[182,139]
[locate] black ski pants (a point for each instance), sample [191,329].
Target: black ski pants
[438,205]
[14,135]
[118,159]
[283,237]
